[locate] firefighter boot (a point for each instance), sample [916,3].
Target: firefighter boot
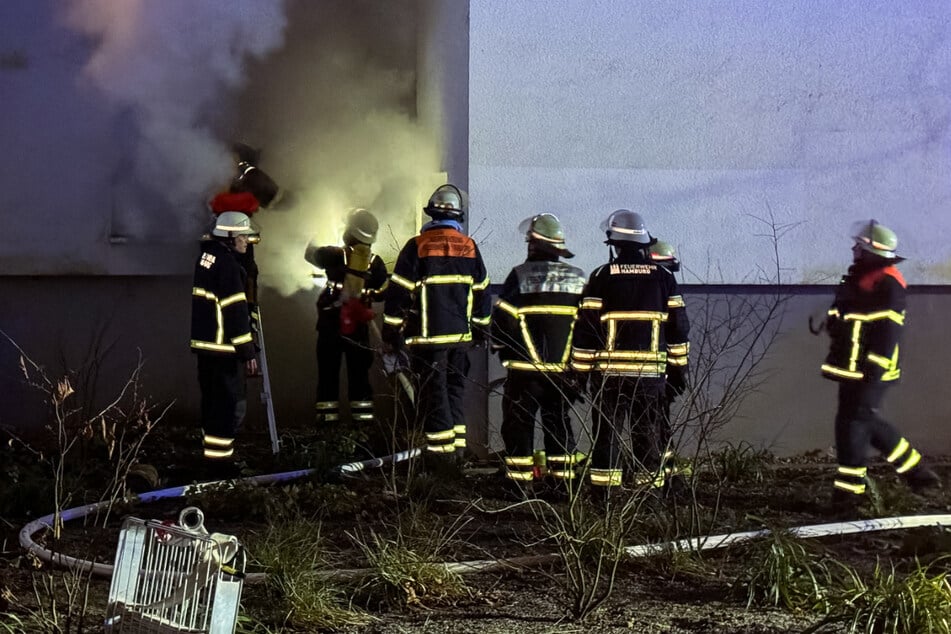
[845,505]
[921,478]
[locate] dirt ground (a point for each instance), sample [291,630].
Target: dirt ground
[476,520]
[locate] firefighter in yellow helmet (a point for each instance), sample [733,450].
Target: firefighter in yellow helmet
[864,325]
[632,323]
[355,275]
[532,323]
[221,337]
[437,306]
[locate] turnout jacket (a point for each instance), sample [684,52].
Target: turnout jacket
[437,290]
[632,321]
[335,261]
[221,321]
[534,315]
[864,324]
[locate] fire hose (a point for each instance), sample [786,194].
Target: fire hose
[706,542]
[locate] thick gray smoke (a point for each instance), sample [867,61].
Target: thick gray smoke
[174,66]
[115,118]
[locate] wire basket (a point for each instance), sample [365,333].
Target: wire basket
[175,578]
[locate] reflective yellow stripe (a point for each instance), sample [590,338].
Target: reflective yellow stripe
[361,403]
[858,489]
[635,315]
[630,355]
[678,349]
[591,303]
[450,448]
[675,301]
[328,404]
[831,369]
[880,361]
[436,339]
[481,286]
[606,477]
[899,449]
[562,475]
[520,475]
[912,460]
[448,279]
[217,454]
[582,353]
[392,321]
[898,318]
[678,361]
[482,321]
[569,459]
[858,472]
[644,369]
[233,299]
[552,309]
[363,416]
[535,367]
[219,441]
[434,436]
[200,292]
[402,281]
[216,347]
[459,430]
[507,307]
[246,338]
[519,461]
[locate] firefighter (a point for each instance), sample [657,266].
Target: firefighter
[354,277]
[221,336]
[632,323]
[663,254]
[864,326]
[437,306]
[532,324]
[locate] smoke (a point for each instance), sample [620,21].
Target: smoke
[335,112]
[172,69]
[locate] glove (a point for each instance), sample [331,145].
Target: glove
[479,338]
[676,381]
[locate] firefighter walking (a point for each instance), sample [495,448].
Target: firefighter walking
[221,337]
[632,322]
[437,297]
[864,325]
[532,324]
[354,277]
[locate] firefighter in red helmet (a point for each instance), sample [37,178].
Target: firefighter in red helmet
[864,325]
[355,275]
[436,306]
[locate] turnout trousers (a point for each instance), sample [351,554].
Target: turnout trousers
[441,380]
[332,350]
[223,403]
[526,393]
[859,425]
[628,402]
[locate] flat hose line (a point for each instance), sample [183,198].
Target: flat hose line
[708,542]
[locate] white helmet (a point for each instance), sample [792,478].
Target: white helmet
[625,226]
[231,224]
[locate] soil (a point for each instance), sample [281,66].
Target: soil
[474,518]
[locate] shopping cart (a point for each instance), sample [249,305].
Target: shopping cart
[175,578]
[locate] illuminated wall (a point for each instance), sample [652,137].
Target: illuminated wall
[718,120]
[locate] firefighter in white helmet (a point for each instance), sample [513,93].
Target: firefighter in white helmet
[436,306]
[221,336]
[632,323]
[532,323]
[864,324]
[355,276]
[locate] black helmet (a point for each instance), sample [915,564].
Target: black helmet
[448,202]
